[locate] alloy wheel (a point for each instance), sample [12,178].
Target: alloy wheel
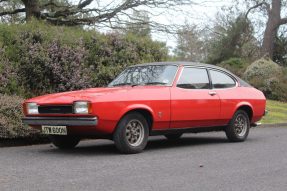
[134,132]
[240,125]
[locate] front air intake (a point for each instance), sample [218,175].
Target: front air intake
[56,109]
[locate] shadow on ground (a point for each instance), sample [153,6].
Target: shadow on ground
[108,148]
[23,141]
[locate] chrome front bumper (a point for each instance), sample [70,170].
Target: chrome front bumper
[61,121]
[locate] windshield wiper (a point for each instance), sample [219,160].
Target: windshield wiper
[131,84]
[155,83]
[122,84]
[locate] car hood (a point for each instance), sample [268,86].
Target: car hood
[70,97]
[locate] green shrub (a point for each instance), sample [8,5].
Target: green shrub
[10,119]
[263,68]
[109,54]
[269,77]
[235,65]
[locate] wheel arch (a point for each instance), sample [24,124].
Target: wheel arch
[144,110]
[247,107]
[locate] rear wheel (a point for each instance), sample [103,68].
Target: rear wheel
[173,137]
[238,128]
[131,134]
[64,142]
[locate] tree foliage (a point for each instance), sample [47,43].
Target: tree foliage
[100,13]
[232,37]
[274,10]
[139,24]
[280,49]
[191,44]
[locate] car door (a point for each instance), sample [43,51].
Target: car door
[225,87]
[193,102]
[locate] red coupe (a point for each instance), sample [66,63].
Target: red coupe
[167,99]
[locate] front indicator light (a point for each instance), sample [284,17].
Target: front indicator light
[32,108]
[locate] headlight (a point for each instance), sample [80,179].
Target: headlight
[32,108]
[82,107]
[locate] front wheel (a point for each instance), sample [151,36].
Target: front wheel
[238,128]
[131,134]
[64,142]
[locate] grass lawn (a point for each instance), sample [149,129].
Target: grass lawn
[277,112]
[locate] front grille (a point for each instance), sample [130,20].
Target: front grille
[56,109]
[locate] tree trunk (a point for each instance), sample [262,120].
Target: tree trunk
[271,29]
[269,39]
[32,9]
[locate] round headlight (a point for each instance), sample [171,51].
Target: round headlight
[32,108]
[82,107]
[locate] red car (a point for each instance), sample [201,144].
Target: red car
[167,99]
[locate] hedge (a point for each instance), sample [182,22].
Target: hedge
[11,125]
[36,58]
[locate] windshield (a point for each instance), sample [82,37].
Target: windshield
[146,75]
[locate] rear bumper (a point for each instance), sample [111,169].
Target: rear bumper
[256,124]
[61,121]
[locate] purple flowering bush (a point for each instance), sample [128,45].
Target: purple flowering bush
[40,59]
[53,67]
[11,125]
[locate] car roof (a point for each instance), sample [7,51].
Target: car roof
[179,63]
[197,64]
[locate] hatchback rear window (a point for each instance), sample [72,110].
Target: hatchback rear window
[221,80]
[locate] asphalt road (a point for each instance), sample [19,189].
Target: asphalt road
[197,162]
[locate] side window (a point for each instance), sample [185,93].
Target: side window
[193,78]
[221,80]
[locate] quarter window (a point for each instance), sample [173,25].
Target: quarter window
[194,78]
[221,80]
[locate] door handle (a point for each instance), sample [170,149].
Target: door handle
[212,93]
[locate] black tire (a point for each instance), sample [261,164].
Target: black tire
[127,136]
[173,137]
[238,128]
[64,142]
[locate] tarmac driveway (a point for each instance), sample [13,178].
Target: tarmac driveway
[201,162]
